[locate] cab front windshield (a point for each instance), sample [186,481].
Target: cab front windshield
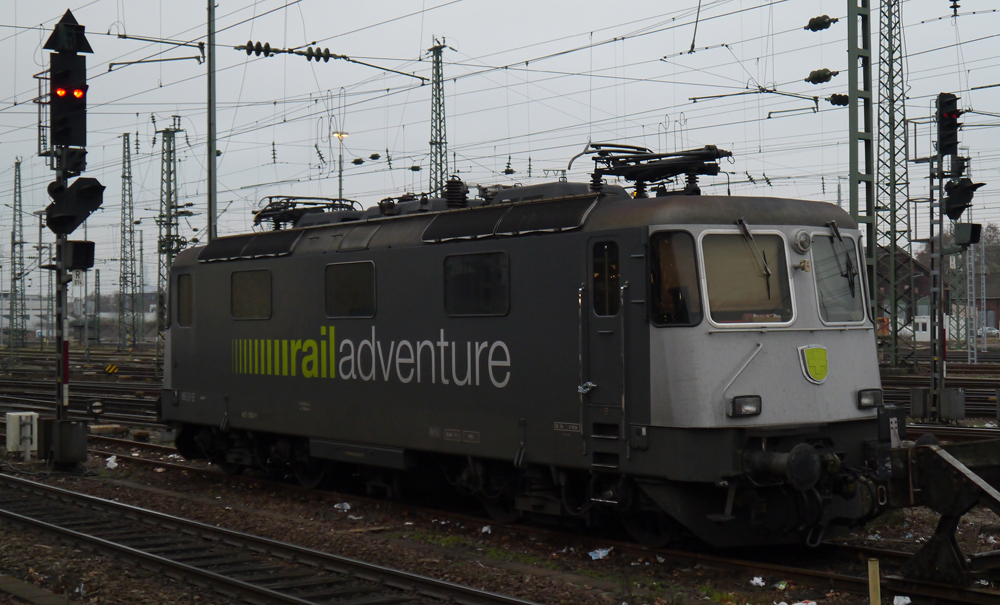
[747,279]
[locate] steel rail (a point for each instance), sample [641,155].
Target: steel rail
[941,594]
[401,580]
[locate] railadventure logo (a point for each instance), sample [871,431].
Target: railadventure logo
[371,359]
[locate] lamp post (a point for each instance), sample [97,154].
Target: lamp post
[340,170]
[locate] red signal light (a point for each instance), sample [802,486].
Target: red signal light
[60,92]
[78,93]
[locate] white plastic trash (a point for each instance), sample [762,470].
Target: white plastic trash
[600,553]
[487,529]
[900,600]
[757,581]
[342,506]
[111,462]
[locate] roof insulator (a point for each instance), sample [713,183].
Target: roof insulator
[455,193]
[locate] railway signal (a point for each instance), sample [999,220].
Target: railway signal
[72,205]
[68,99]
[68,83]
[958,196]
[66,440]
[947,123]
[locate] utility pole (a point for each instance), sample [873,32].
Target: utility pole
[86,315]
[971,319]
[169,243]
[212,177]
[939,342]
[17,284]
[41,326]
[861,192]
[127,324]
[97,306]
[894,294]
[142,291]
[439,139]
[50,311]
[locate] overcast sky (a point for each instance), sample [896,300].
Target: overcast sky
[528,81]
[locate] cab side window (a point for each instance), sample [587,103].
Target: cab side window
[607,297]
[674,277]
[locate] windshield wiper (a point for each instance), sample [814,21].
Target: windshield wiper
[745,228]
[848,269]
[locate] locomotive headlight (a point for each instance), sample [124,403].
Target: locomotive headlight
[745,405]
[869,398]
[802,241]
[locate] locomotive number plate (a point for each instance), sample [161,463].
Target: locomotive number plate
[568,427]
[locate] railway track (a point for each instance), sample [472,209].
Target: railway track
[259,570]
[806,576]
[129,404]
[137,365]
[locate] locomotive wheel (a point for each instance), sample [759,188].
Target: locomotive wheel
[653,529]
[309,474]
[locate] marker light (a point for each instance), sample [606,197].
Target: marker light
[746,405]
[869,398]
[78,93]
[60,92]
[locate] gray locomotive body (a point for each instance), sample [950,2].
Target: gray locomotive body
[700,361]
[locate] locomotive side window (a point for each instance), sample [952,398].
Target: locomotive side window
[184,301]
[674,275]
[350,289]
[607,297]
[251,294]
[838,282]
[476,284]
[747,279]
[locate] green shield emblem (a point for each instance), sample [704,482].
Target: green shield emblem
[813,361]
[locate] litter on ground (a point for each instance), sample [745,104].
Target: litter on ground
[600,553]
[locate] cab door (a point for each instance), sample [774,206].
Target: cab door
[616,266]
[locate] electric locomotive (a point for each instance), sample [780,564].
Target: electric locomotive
[670,359]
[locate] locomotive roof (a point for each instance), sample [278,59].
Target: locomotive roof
[576,209]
